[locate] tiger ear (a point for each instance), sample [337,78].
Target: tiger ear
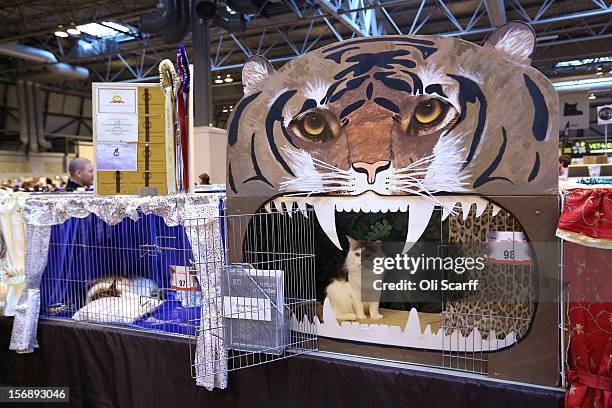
[516,39]
[257,70]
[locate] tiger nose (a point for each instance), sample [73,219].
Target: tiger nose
[371,169]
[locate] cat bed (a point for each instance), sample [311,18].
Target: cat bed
[124,309]
[171,317]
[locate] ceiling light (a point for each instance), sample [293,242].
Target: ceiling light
[60,32]
[228,78]
[547,38]
[218,80]
[586,61]
[117,26]
[592,96]
[224,110]
[98,30]
[583,84]
[72,30]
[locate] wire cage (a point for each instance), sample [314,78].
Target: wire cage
[500,312]
[458,330]
[266,296]
[130,274]
[238,305]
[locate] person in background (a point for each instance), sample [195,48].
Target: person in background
[81,174]
[564,162]
[204,179]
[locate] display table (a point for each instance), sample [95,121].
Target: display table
[45,218]
[107,367]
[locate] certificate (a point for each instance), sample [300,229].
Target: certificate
[116,128]
[116,100]
[116,156]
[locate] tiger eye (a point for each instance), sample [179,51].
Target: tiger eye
[314,124]
[428,111]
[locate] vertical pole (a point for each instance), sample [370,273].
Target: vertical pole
[201,79]
[606,139]
[65,158]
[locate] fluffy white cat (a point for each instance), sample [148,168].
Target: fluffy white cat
[344,293]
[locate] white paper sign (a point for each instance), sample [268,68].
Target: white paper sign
[117,100]
[508,247]
[573,111]
[116,128]
[604,115]
[238,307]
[182,278]
[116,156]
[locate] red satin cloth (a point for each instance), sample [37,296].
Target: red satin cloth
[588,212]
[588,271]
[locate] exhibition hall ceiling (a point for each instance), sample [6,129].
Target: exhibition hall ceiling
[283,29]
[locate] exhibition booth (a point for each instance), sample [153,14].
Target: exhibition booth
[385,225]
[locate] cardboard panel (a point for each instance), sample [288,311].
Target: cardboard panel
[156,154]
[152,126]
[151,150]
[433,115]
[156,96]
[130,182]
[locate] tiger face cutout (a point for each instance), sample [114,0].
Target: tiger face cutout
[396,123]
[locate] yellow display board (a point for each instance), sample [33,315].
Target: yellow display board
[129,139]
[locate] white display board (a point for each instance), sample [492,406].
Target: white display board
[208,154]
[604,115]
[573,111]
[115,121]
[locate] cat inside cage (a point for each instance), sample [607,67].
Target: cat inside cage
[499,311]
[135,273]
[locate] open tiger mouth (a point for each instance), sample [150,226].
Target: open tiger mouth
[497,320]
[418,209]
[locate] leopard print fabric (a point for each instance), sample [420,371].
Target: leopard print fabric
[503,302]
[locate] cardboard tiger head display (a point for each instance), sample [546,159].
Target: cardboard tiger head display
[396,124]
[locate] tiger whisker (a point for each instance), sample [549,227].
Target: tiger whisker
[401,176]
[422,160]
[334,183]
[418,193]
[324,189]
[424,168]
[300,156]
[319,163]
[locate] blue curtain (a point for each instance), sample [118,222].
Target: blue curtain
[83,249]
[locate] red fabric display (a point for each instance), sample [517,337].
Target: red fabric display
[588,271]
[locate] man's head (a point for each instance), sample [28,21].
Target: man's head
[81,171]
[564,161]
[204,178]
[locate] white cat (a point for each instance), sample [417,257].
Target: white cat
[115,299]
[115,286]
[344,293]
